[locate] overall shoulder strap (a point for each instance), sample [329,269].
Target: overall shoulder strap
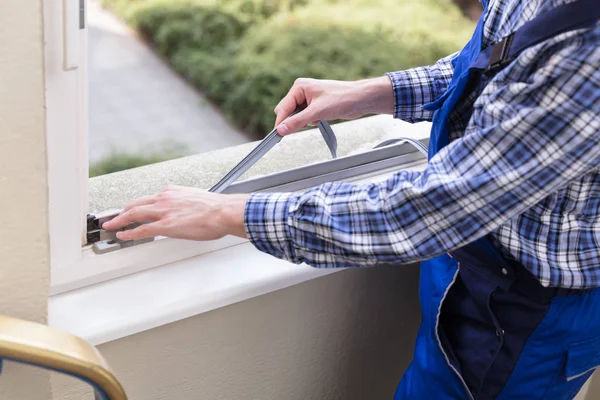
[579,14]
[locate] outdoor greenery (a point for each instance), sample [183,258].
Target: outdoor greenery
[245,54]
[119,160]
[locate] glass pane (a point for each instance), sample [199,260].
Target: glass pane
[141,111]
[168,78]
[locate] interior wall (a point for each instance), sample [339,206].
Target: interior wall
[24,251]
[348,335]
[593,391]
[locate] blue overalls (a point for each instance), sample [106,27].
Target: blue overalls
[489,329]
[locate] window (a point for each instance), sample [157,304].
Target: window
[74,264]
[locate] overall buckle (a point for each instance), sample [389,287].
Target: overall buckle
[499,57]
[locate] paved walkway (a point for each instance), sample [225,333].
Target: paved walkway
[137,102]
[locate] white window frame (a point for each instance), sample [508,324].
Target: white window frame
[74,266]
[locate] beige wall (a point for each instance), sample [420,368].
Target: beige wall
[344,336]
[593,391]
[24,254]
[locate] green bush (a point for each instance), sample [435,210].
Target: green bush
[245,54]
[119,160]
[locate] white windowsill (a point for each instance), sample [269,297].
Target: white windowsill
[158,296]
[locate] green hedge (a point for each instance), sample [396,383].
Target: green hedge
[245,54]
[119,160]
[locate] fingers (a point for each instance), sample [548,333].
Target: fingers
[290,102]
[151,199]
[142,201]
[141,214]
[141,232]
[127,216]
[297,122]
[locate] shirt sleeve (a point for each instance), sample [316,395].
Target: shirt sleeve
[527,138]
[416,87]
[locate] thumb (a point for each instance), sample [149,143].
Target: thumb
[296,122]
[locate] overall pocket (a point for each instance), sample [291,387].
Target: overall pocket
[579,362]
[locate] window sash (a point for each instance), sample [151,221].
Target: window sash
[343,168]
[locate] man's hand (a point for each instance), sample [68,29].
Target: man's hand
[184,213]
[330,100]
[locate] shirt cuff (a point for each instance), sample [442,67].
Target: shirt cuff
[266,223]
[412,89]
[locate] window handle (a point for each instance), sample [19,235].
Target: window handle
[104,241]
[73,22]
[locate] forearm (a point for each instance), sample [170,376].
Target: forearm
[374,96]
[229,215]
[404,93]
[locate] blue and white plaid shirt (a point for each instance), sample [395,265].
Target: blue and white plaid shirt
[523,166]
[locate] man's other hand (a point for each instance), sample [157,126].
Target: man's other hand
[328,100]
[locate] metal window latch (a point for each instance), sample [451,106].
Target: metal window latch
[103,241]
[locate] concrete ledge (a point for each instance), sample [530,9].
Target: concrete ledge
[204,170]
